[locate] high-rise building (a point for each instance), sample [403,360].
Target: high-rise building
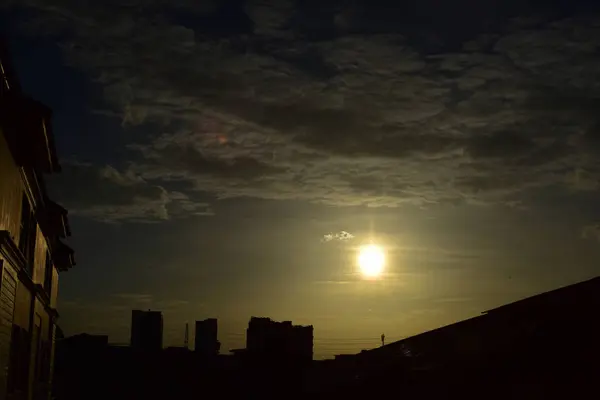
[206,341]
[146,330]
[282,340]
[32,252]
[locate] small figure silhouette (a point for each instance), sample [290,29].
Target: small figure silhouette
[382,339]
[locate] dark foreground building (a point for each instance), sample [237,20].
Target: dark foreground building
[541,347]
[146,330]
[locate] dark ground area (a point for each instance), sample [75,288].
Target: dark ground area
[119,374]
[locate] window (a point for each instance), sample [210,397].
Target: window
[48,274]
[28,233]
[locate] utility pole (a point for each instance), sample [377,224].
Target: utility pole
[382,339]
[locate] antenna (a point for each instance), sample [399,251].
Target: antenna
[185,341]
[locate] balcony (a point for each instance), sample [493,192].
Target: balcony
[54,221]
[27,127]
[63,256]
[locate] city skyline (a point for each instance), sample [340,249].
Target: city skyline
[231,161]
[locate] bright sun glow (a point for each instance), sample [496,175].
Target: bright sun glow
[371,260]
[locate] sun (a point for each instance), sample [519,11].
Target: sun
[371,260]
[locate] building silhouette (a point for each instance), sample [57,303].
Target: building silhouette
[146,330]
[31,251]
[206,342]
[83,344]
[267,339]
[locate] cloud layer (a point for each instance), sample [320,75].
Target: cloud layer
[341,236]
[105,194]
[287,102]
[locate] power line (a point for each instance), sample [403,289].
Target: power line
[374,338]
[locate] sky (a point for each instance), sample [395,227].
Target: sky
[227,158]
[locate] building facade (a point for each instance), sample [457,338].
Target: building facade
[31,251]
[146,330]
[206,342]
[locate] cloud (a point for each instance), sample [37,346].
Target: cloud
[106,194]
[591,232]
[452,300]
[278,108]
[134,297]
[186,155]
[143,299]
[170,305]
[420,312]
[333,282]
[149,300]
[340,236]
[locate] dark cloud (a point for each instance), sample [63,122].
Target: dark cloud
[338,109]
[134,297]
[106,194]
[189,161]
[500,145]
